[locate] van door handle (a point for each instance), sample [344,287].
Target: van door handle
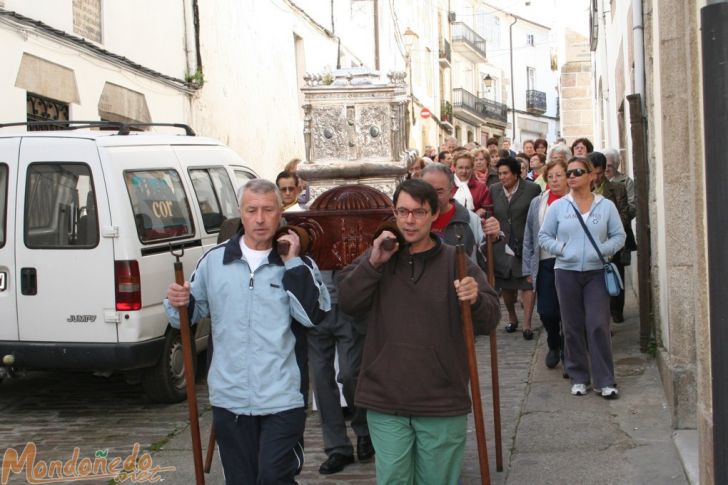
[28,281]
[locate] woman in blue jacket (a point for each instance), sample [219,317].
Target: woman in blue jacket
[579,273]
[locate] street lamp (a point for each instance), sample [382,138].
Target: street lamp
[488,81]
[409,40]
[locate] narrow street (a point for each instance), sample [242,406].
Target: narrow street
[549,436]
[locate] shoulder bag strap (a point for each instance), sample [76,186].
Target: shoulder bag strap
[588,234]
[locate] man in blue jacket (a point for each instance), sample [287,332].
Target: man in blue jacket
[252,295]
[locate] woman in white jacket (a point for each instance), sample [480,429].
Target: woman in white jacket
[579,274]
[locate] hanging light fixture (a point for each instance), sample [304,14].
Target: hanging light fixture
[410,37]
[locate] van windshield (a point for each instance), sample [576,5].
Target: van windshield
[160,205]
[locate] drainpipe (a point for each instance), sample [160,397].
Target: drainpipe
[638,39]
[714,36]
[513,81]
[641,172]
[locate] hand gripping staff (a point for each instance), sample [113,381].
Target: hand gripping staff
[184,328]
[495,382]
[473,367]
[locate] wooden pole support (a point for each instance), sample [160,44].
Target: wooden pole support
[474,380]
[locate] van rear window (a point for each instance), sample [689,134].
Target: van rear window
[60,207]
[3,201]
[160,205]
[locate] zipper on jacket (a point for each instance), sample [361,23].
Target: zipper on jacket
[250,281]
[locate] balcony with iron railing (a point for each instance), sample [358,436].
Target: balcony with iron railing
[445,53]
[535,101]
[466,41]
[482,109]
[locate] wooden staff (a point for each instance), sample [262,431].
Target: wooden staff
[184,327]
[210,450]
[474,380]
[495,382]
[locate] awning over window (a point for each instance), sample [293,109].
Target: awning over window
[118,103]
[47,79]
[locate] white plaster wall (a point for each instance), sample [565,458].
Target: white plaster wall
[13,99]
[613,31]
[537,57]
[149,33]
[57,13]
[250,97]
[165,103]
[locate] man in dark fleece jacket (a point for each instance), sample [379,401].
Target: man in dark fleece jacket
[414,373]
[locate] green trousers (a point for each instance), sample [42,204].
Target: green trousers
[416,449]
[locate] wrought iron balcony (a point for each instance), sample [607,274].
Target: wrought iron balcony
[535,101]
[482,109]
[464,35]
[445,53]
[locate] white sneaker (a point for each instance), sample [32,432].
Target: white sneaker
[607,392]
[578,389]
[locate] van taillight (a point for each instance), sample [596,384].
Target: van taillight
[128,286]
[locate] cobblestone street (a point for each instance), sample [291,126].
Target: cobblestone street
[60,411]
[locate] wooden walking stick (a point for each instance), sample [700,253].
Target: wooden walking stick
[495,382]
[473,367]
[211,440]
[184,327]
[210,450]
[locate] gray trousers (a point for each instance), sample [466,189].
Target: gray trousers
[585,316]
[338,332]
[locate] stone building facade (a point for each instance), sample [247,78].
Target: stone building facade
[577,113]
[673,117]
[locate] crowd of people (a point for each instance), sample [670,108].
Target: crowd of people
[388,326]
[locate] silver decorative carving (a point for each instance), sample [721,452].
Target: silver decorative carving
[355,129]
[374,116]
[328,137]
[397,77]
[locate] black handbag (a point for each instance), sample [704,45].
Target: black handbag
[611,275]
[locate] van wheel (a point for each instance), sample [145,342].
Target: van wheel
[165,382]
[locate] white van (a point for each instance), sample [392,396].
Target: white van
[87,219]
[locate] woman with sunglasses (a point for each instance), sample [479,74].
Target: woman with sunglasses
[579,276]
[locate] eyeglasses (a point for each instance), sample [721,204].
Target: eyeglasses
[403,213]
[287,189]
[576,172]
